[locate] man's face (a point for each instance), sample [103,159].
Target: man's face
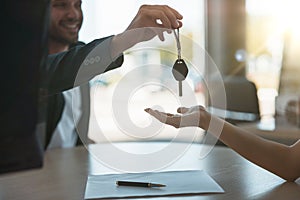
[66,20]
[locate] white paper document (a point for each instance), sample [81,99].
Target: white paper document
[177,182]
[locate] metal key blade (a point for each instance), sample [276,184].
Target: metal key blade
[180,88]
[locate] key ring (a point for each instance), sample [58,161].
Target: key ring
[177,42]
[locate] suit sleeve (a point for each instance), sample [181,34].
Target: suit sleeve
[78,65]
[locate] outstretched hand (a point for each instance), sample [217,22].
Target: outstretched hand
[186,117]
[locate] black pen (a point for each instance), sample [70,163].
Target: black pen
[138,184]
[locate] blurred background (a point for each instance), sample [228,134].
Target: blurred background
[256,40]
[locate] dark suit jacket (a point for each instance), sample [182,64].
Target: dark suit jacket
[56,101]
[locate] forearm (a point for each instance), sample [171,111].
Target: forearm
[274,157]
[78,65]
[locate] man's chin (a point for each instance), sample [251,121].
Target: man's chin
[65,40]
[74,40]
[73,37]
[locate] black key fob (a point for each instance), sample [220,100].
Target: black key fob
[180,70]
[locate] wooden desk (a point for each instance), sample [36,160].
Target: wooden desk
[65,172]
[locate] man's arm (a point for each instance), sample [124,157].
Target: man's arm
[78,65]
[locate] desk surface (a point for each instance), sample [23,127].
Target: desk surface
[65,173]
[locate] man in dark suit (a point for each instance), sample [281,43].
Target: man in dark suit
[25,73]
[65,119]
[68,112]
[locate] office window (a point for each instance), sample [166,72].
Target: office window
[272,46]
[103,19]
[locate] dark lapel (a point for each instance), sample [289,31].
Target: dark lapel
[83,124]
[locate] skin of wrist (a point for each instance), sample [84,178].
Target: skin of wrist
[204,119]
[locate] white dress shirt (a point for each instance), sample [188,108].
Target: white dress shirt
[65,134]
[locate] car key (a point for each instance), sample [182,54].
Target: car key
[180,69]
[180,72]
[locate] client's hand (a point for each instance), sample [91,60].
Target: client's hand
[186,117]
[292,112]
